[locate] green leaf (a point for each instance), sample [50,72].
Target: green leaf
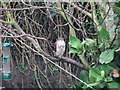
[102,73]
[84,76]
[102,85]
[108,79]
[117,4]
[114,85]
[78,85]
[106,69]
[103,35]
[99,78]
[107,56]
[25,68]
[81,45]
[73,50]
[116,8]
[54,69]
[89,41]
[93,84]
[95,73]
[74,42]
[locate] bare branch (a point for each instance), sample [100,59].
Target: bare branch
[20,9]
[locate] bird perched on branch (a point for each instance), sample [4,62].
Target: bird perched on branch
[60,47]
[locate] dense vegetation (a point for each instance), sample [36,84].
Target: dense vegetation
[91,31]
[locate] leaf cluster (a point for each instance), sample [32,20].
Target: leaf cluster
[100,73]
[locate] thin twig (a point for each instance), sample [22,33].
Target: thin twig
[57,65]
[20,9]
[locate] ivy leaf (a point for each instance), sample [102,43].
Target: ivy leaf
[106,69]
[73,50]
[81,45]
[95,73]
[90,41]
[116,8]
[102,85]
[114,85]
[107,56]
[84,76]
[74,42]
[103,35]
[109,79]
[93,84]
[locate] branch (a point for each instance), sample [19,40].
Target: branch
[80,9]
[55,59]
[20,9]
[20,31]
[69,60]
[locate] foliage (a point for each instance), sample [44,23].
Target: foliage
[116,8]
[54,69]
[100,74]
[34,27]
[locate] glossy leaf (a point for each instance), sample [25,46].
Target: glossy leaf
[106,69]
[73,50]
[96,74]
[103,35]
[114,85]
[84,76]
[99,78]
[93,84]
[109,79]
[116,8]
[89,41]
[107,56]
[102,73]
[102,85]
[81,45]
[74,42]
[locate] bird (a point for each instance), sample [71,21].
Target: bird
[60,47]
